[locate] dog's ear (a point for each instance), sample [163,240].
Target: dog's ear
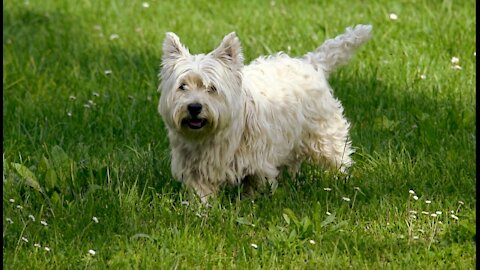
[229,51]
[173,48]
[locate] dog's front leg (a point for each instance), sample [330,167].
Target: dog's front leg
[203,190]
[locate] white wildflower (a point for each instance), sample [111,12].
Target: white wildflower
[393,16]
[428,202]
[461,202]
[186,203]
[86,105]
[69,114]
[47,248]
[415,237]
[433,215]
[438,212]
[92,252]
[37,245]
[11,200]
[19,207]
[24,239]
[71,97]
[454,216]
[31,217]
[95,219]
[423,76]
[425,212]
[114,36]
[95,94]
[108,72]
[346,199]
[415,197]
[328,213]
[411,191]
[145,5]
[254,246]
[327,189]
[456,67]
[9,220]
[455,60]
[44,223]
[412,212]
[312,242]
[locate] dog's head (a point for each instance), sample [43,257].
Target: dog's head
[200,93]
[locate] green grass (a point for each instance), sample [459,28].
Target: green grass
[111,160]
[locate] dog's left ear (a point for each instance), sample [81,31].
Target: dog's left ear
[229,51]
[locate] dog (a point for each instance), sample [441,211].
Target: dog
[230,123]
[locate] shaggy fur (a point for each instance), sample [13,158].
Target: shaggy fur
[229,123]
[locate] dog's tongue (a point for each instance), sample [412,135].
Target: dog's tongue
[196,123]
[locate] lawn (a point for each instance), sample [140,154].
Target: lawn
[86,170]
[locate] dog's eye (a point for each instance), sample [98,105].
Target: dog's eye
[212,88]
[182,86]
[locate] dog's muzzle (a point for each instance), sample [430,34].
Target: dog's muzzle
[193,121]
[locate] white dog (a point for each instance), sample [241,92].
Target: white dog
[229,123]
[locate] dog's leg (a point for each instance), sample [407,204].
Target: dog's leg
[249,186]
[329,146]
[335,150]
[293,170]
[203,190]
[255,183]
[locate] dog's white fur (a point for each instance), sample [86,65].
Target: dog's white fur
[273,113]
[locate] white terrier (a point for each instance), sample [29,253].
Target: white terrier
[229,123]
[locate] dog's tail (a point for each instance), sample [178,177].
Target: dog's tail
[337,51]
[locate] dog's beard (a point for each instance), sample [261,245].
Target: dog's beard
[194,127]
[194,122]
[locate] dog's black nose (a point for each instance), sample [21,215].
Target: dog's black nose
[194,109]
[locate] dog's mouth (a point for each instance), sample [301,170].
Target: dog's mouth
[195,123]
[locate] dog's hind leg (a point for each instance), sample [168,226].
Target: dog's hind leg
[330,146]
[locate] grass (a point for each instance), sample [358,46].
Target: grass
[79,142]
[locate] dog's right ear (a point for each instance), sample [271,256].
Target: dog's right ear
[173,49]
